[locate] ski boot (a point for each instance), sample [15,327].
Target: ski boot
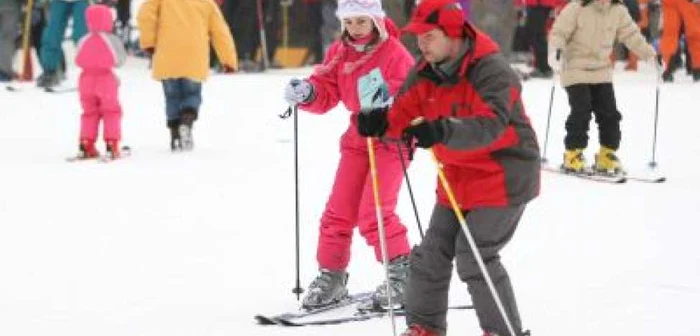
[667,76]
[696,75]
[574,161]
[418,330]
[398,276]
[49,79]
[606,162]
[187,117]
[113,150]
[329,287]
[87,150]
[174,127]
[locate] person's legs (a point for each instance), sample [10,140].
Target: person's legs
[9,20]
[430,272]
[491,229]
[580,117]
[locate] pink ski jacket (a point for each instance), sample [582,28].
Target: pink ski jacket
[336,79]
[99,50]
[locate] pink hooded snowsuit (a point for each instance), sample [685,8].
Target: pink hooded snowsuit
[98,52]
[351,202]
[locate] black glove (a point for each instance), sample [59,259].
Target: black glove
[428,133]
[372,123]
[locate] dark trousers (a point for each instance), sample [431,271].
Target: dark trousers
[315,12]
[431,268]
[599,99]
[124,12]
[535,26]
[242,19]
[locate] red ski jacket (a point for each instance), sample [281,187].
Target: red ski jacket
[489,152]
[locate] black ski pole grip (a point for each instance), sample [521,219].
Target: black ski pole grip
[287,113]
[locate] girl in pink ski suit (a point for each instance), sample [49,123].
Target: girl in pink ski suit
[98,52]
[351,202]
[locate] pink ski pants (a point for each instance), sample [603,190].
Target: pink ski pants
[351,203]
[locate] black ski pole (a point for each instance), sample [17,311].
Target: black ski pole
[263,40]
[410,189]
[549,114]
[293,111]
[653,163]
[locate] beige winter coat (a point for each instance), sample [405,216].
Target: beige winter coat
[586,35]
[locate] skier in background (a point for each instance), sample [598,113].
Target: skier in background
[580,45]
[98,52]
[51,54]
[179,47]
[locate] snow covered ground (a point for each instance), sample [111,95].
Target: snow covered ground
[195,244]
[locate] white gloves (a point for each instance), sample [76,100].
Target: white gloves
[298,91]
[554,60]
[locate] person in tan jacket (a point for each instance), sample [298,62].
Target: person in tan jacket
[176,33]
[580,43]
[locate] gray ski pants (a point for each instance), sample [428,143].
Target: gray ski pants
[431,268]
[9,27]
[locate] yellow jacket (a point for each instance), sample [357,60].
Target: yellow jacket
[179,31]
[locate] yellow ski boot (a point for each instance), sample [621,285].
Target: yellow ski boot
[606,162]
[574,162]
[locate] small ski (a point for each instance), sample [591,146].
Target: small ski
[647,177]
[80,158]
[60,89]
[19,87]
[588,175]
[281,318]
[125,152]
[357,317]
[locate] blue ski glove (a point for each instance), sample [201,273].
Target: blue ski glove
[298,91]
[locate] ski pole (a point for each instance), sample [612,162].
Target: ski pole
[292,110]
[549,114]
[659,68]
[410,189]
[380,225]
[472,244]
[263,40]
[27,72]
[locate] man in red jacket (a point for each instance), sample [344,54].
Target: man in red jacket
[463,101]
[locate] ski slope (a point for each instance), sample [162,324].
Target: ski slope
[196,244]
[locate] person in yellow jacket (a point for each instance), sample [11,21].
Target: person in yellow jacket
[176,33]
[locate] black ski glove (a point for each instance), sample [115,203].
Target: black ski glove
[372,123]
[427,133]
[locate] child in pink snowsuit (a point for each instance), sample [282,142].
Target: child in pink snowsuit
[98,52]
[351,202]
